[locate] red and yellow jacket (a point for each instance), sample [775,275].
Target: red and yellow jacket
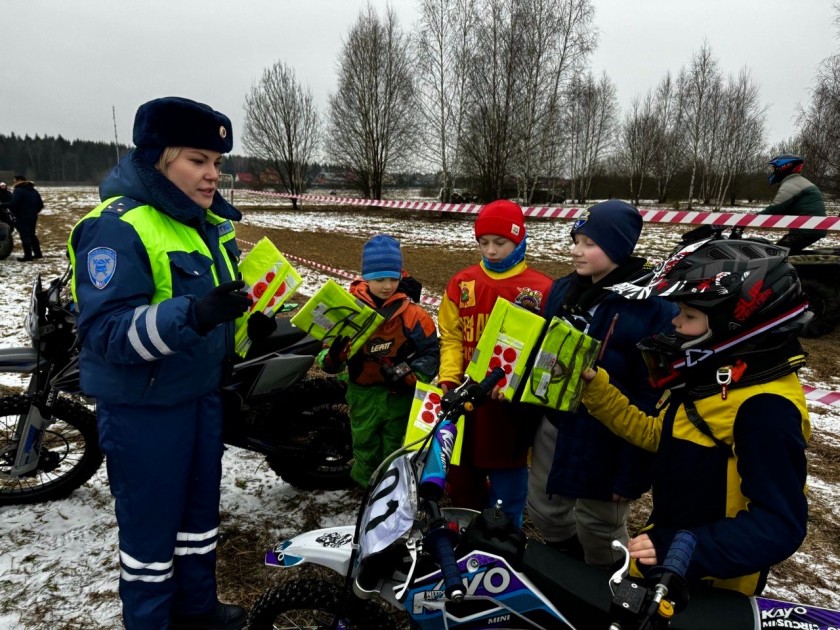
[497,438]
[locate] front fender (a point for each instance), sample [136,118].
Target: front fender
[330,547]
[20,360]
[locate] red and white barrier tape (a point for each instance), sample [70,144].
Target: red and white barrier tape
[821,395]
[651,215]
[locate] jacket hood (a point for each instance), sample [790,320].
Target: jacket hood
[136,178]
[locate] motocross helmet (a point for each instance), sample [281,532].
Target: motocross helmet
[747,289]
[783,165]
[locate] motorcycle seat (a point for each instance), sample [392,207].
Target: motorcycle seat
[582,594]
[286,338]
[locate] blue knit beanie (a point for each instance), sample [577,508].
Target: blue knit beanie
[381,258]
[173,121]
[615,227]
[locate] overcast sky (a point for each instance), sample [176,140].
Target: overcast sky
[67,62]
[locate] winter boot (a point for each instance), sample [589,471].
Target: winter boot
[223,617]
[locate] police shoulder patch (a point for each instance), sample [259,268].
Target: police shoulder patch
[101,264]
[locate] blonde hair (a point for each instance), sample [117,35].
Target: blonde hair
[167,157]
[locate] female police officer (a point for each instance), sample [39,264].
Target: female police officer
[155,268]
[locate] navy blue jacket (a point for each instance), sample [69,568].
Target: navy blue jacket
[26,202]
[134,353]
[590,461]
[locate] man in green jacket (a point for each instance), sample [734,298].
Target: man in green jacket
[796,195]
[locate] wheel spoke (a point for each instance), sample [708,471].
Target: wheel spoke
[69,452]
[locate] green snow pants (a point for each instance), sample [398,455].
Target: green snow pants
[378,420]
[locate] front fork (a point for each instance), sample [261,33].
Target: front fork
[31,426]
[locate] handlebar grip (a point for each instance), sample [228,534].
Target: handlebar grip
[445,555]
[679,555]
[492,379]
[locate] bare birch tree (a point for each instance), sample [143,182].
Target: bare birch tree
[640,140]
[557,37]
[669,157]
[592,122]
[525,54]
[743,134]
[712,136]
[698,81]
[372,114]
[282,126]
[819,123]
[443,43]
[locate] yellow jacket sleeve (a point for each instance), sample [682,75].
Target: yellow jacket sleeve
[606,403]
[451,342]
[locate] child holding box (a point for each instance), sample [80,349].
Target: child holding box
[496,436]
[383,373]
[582,476]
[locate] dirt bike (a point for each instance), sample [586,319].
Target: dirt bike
[446,567]
[48,435]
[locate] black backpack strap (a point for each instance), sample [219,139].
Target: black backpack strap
[702,426]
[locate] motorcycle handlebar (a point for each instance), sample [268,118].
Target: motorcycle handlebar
[680,552]
[433,479]
[471,393]
[440,540]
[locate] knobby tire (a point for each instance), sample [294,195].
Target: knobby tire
[70,453]
[310,603]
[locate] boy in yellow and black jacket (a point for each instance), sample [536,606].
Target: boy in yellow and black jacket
[730,462]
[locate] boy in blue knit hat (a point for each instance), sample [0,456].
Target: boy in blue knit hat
[582,476]
[383,373]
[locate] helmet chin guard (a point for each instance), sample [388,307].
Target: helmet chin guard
[747,289]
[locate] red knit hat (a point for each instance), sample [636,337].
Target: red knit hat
[503,218]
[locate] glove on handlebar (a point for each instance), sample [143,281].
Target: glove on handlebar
[337,354]
[223,303]
[260,326]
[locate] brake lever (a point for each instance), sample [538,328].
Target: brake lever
[415,547]
[619,575]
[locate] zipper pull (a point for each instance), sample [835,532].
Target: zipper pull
[724,378]
[663,399]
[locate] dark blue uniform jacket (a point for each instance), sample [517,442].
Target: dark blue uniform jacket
[132,354]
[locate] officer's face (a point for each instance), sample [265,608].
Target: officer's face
[195,172]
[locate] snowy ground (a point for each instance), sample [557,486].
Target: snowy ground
[63,554]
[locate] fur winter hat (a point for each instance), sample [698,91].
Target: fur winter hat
[503,218]
[381,258]
[173,121]
[615,227]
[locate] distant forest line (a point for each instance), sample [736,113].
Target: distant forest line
[55,160]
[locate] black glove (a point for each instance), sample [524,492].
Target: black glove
[260,326]
[411,287]
[399,377]
[224,303]
[337,354]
